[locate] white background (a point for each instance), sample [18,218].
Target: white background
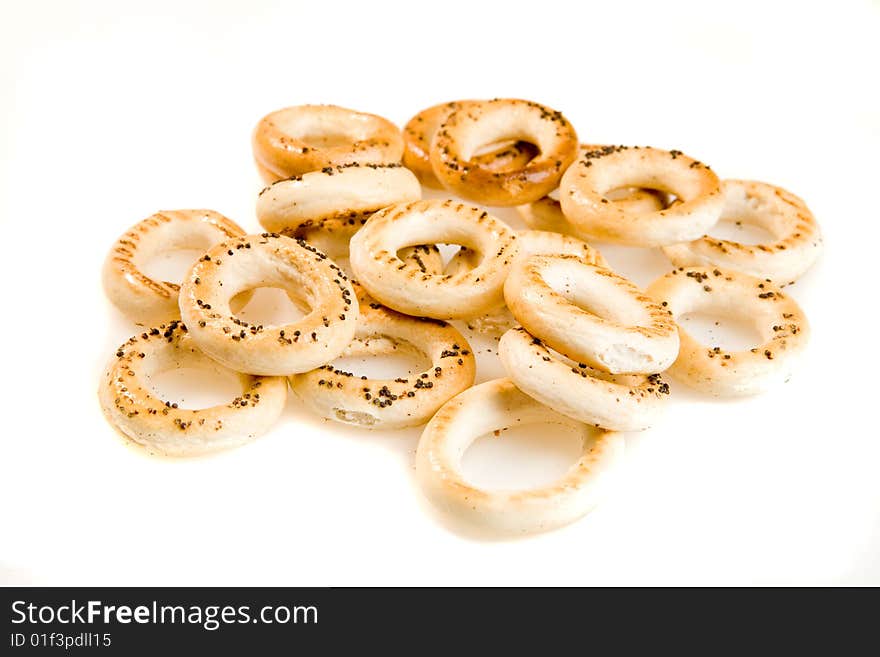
[111,111]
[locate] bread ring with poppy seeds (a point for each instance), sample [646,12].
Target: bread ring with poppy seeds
[797,245]
[479,124]
[620,402]
[777,318]
[377,266]
[546,212]
[295,140]
[132,407]
[419,132]
[582,196]
[269,260]
[339,192]
[405,401]
[591,315]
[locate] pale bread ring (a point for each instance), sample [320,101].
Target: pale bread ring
[269,260]
[778,319]
[394,403]
[798,239]
[386,278]
[625,332]
[339,192]
[497,405]
[133,408]
[141,298]
[478,124]
[620,402]
[584,185]
[419,132]
[295,140]
[529,243]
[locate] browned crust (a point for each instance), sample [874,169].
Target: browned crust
[280,155]
[473,180]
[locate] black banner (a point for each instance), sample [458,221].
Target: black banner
[324,621]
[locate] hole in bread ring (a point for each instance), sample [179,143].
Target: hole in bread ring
[405,401]
[389,280]
[295,140]
[496,405]
[472,127]
[130,405]
[776,317]
[591,315]
[613,401]
[142,298]
[269,260]
[582,196]
[419,132]
[797,243]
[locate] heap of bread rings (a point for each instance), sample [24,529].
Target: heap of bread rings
[582,345]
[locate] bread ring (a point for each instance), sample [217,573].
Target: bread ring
[798,240]
[546,213]
[529,243]
[131,406]
[386,278]
[141,298]
[621,402]
[295,140]
[339,192]
[332,237]
[488,122]
[390,404]
[420,130]
[493,406]
[778,319]
[696,187]
[625,332]
[269,260]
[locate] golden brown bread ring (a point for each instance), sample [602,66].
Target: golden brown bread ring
[591,315]
[338,192]
[141,298]
[546,212]
[130,405]
[797,245]
[269,260]
[295,140]
[393,403]
[420,130]
[777,318]
[377,266]
[620,402]
[696,188]
[481,123]
[494,406]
